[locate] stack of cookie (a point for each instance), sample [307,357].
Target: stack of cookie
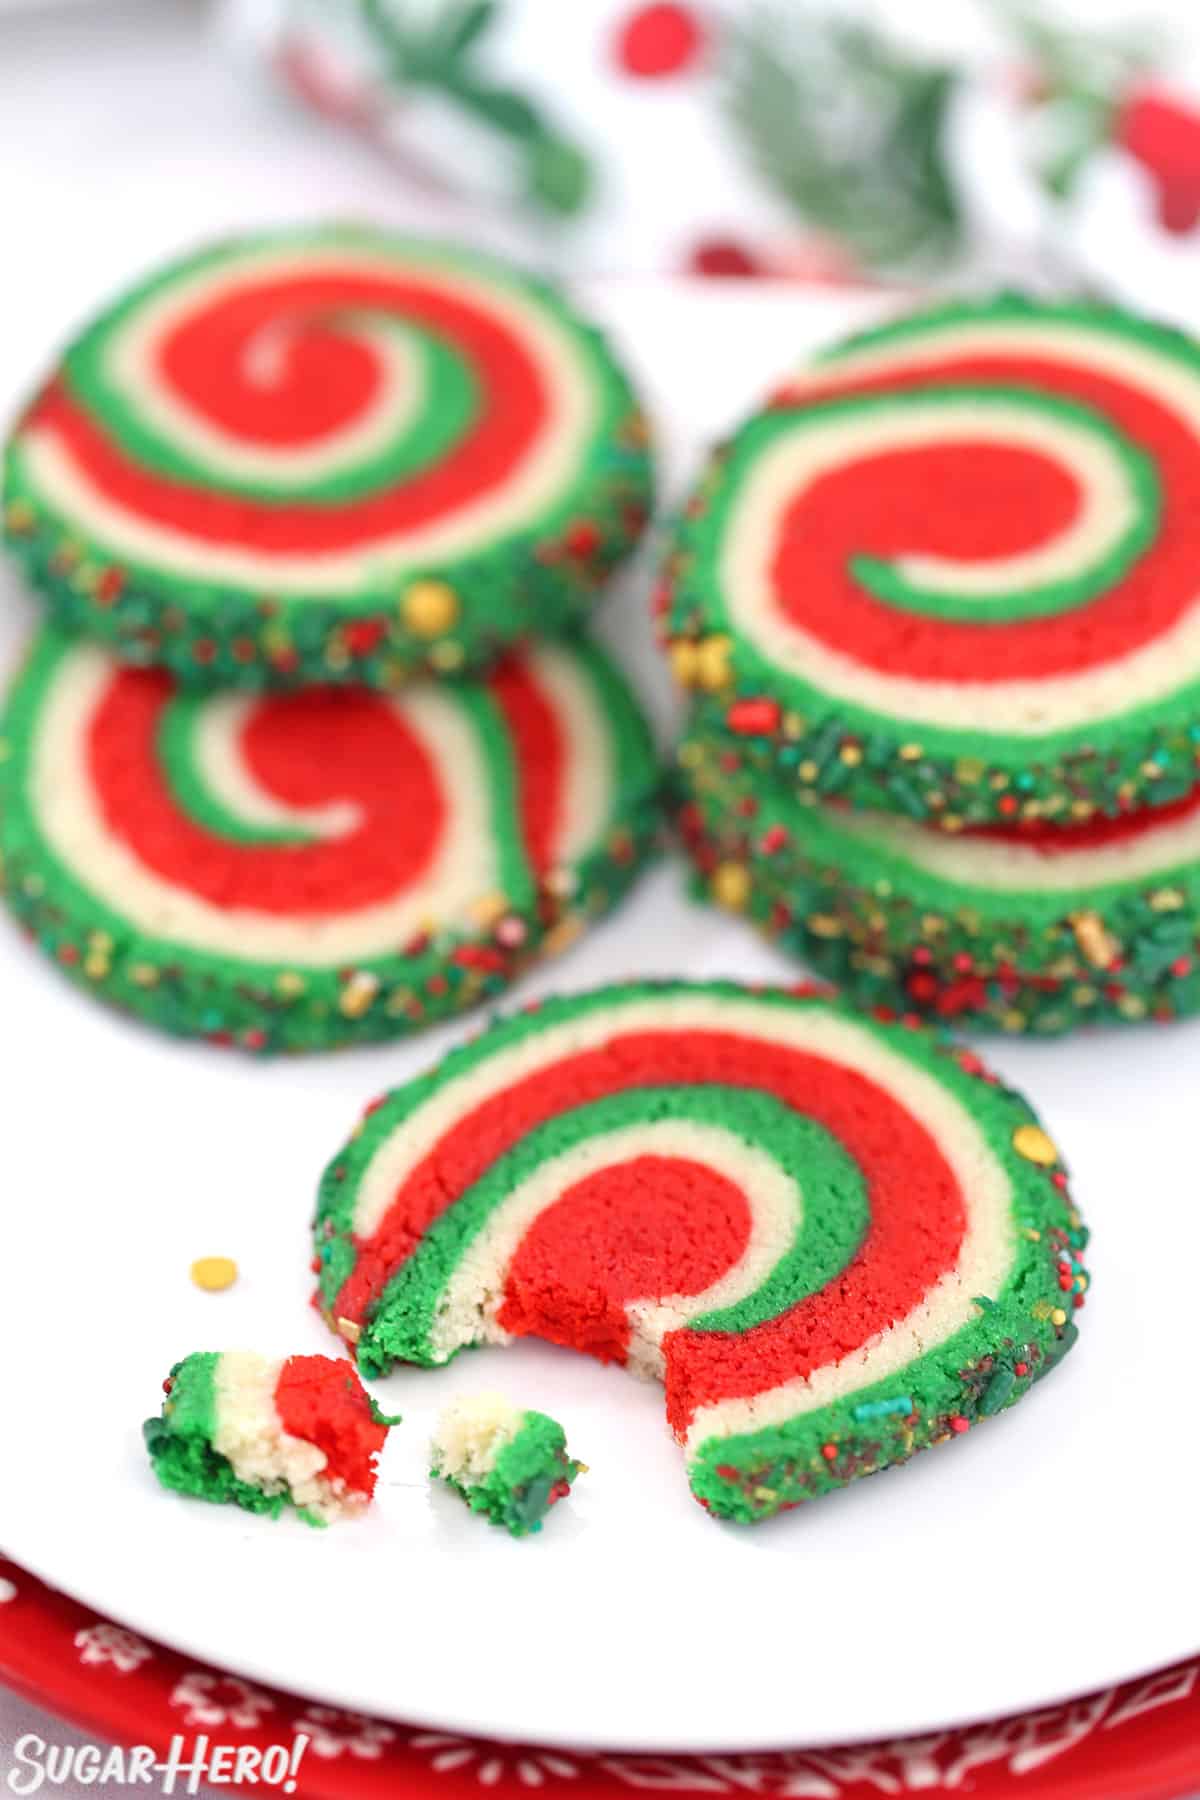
[308,753]
[937,607]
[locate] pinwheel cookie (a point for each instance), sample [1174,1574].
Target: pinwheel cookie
[836,1241]
[508,1463]
[328,455]
[1032,928]
[953,569]
[265,1434]
[296,871]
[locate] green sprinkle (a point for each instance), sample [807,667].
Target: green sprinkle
[997,1392]
[878,1409]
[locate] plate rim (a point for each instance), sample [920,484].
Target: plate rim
[1157,1715]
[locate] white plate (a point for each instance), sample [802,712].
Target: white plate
[1050,1553]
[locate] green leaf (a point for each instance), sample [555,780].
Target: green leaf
[467,23]
[849,129]
[560,176]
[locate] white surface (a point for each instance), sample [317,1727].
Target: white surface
[1051,1552]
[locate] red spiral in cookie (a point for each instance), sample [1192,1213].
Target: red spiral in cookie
[979,518]
[785,1213]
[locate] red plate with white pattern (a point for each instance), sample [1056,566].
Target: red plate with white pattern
[1138,1741]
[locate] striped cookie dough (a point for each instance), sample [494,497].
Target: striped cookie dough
[952,570]
[507,1463]
[299,871]
[1025,928]
[835,1241]
[266,1433]
[328,455]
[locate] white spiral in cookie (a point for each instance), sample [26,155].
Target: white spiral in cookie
[315,414]
[977,519]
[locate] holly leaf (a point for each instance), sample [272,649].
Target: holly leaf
[849,129]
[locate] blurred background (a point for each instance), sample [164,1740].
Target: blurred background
[958,142]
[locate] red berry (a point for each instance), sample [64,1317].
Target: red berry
[1021,1369]
[1164,136]
[829,1451]
[958,1423]
[659,40]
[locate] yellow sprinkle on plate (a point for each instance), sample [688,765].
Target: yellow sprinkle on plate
[214,1273]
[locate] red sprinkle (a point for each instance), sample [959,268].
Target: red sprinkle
[959,1423]
[362,635]
[753,717]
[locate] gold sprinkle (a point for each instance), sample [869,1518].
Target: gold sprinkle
[214,1273]
[336,654]
[1131,1006]
[567,932]
[20,516]
[968,770]
[429,608]
[144,975]
[561,882]
[289,985]
[1013,1020]
[951,822]
[712,663]
[358,995]
[447,657]
[793,725]
[730,885]
[684,657]
[348,1330]
[808,771]
[824,925]
[488,909]
[1166,900]
[1097,943]
[96,965]
[1085,995]
[1033,1234]
[910,753]
[1058,1316]
[276,641]
[1031,1142]
[851,755]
